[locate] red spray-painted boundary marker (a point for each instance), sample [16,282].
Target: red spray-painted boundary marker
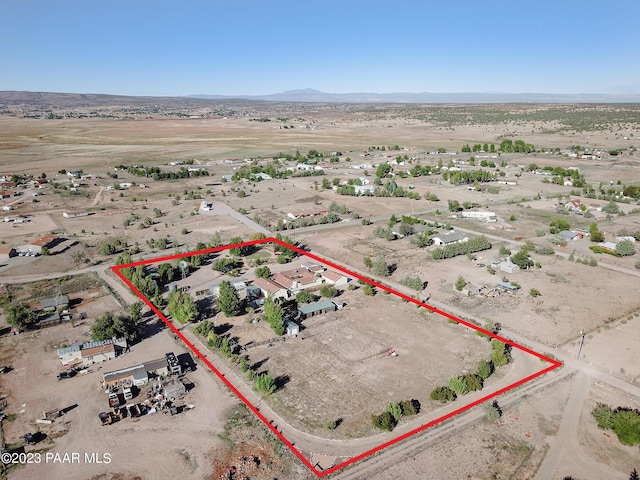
[554,363]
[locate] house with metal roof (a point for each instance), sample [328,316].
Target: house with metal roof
[54,303]
[94,351]
[567,236]
[316,308]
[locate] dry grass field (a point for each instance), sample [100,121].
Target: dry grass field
[339,353]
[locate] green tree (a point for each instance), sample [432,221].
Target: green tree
[368,290]
[492,411]
[383,170]
[182,307]
[265,384]
[305,297]
[558,225]
[328,291]
[460,283]
[443,394]
[603,415]
[410,407]
[274,315]
[263,272]
[626,425]
[611,208]
[499,353]
[522,260]
[135,311]
[394,409]
[454,206]
[108,326]
[384,421]
[484,369]
[474,382]
[625,248]
[20,316]
[367,262]
[379,267]
[229,300]
[415,283]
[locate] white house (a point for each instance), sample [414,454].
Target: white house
[488,217]
[450,238]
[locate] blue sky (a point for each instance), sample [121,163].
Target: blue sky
[140,47]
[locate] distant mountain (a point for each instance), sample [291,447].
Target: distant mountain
[316,96]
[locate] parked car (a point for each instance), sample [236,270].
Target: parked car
[66,374]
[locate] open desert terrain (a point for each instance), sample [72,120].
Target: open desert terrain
[127,179]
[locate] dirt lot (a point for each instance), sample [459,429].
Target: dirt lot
[180,445]
[549,318]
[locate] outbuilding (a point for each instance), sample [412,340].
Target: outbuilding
[316,308]
[7,252]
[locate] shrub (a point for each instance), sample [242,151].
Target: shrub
[458,385]
[485,369]
[410,407]
[473,381]
[395,410]
[443,395]
[265,384]
[328,291]
[384,421]
[492,411]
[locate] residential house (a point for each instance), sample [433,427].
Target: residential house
[297,279]
[610,246]
[7,194]
[271,288]
[567,236]
[595,207]
[508,267]
[573,205]
[54,303]
[488,217]
[91,352]
[74,214]
[313,267]
[334,278]
[364,189]
[450,238]
[311,212]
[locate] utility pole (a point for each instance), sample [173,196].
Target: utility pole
[581,343]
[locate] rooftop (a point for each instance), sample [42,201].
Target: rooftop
[331,275]
[43,241]
[267,285]
[314,307]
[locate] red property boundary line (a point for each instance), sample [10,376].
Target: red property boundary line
[554,363]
